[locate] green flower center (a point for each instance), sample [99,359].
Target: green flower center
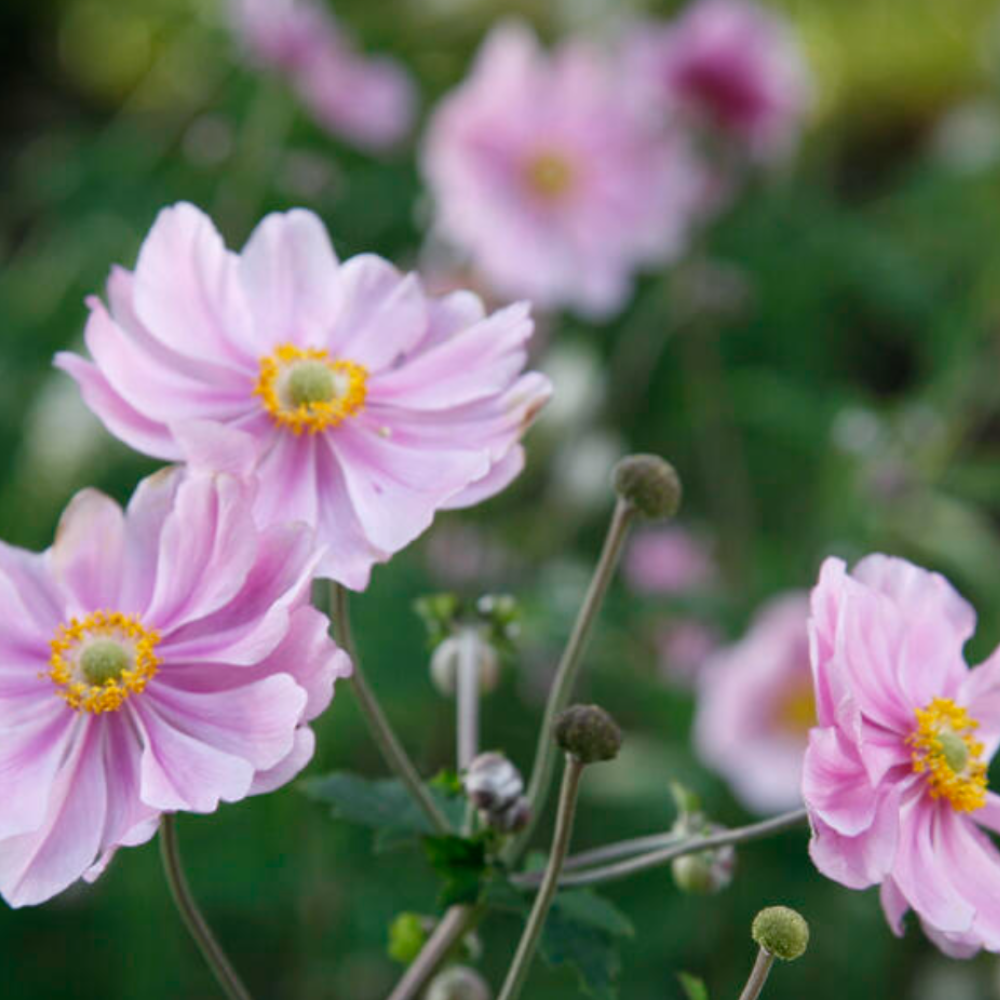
[103,661]
[311,382]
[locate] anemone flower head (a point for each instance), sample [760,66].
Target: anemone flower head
[667,561]
[363,405]
[367,100]
[755,707]
[158,659]
[895,777]
[545,172]
[734,67]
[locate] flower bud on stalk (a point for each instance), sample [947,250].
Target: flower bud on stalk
[492,783]
[588,733]
[648,484]
[781,932]
[707,872]
[445,661]
[459,983]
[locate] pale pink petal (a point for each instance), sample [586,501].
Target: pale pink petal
[500,476]
[210,446]
[288,767]
[894,905]
[836,785]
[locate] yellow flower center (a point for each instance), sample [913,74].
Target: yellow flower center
[97,663]
[549,175]
[304,389]
[945,750]
[796,713]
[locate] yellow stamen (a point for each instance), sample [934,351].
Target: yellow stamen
[797,709]
[305,390]
[945,750]
[549,175]
[98,662]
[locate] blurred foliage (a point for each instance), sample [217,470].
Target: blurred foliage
[837,394]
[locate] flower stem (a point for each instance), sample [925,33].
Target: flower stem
[468,697]
[758,975]
[667,853]
[196,924]
[455,924]
[550,883]
[392,750]
[569,668]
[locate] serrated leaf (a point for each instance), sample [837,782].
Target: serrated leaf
[581,932]
[383,804]
[461,864]
[694,988]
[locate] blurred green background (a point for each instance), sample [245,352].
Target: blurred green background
[842,398]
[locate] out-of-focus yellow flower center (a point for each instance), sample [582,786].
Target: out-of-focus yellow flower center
[549,175]
[797,709]
[304,389]
[945,749]
[98,662]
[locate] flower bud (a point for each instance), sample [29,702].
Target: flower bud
[492,783]
[407,935]
[588,733]
[445,662]
[649,484]
[706,872]
[512,819]
[781,932]
[459,983]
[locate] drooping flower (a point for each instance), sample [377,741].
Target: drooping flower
[733,66]
[895,776]
[159,659]
[370,101]
[363,404]
[667,561]
[755,707]
[545,172]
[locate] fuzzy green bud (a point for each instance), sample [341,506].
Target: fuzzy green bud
[649,484]
[781,931]
[588,733]
[407,936]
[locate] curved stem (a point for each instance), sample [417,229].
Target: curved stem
[758,975]
[392,750]
[455,924]
[569,668]
[196,924]
[621,849]
[663,855]
[550,883]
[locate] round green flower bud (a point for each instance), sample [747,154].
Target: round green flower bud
[459,983]
[706,872]
[649,484]
[781,931]
[407,936]
[588,733]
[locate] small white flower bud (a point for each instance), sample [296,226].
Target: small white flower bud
[459,983]
[707,872]
[512,819]
[445,661]
[492,783]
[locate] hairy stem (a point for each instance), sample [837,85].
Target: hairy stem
[550,883]
[454,925]
[663,855]
[196,924]
[392,750]
[569,668]
[758,975]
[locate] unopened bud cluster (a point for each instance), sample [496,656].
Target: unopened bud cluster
[495,787]
[705,872]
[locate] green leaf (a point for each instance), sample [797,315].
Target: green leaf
[462,866]
[448,783]
[582,933]
[694,988]
[384,805]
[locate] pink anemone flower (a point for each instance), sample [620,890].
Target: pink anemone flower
[363,404]
[755,707]
[668,561]
[369,101]
[895,776]
[158,659]
[731,65]
[547,174]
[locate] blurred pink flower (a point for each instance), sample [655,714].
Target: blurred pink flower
[735,66]
[684,646]
[543,170]
[159,659]
[363,405]
[370,101]
[667,561]
[896,770]
[755,707]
